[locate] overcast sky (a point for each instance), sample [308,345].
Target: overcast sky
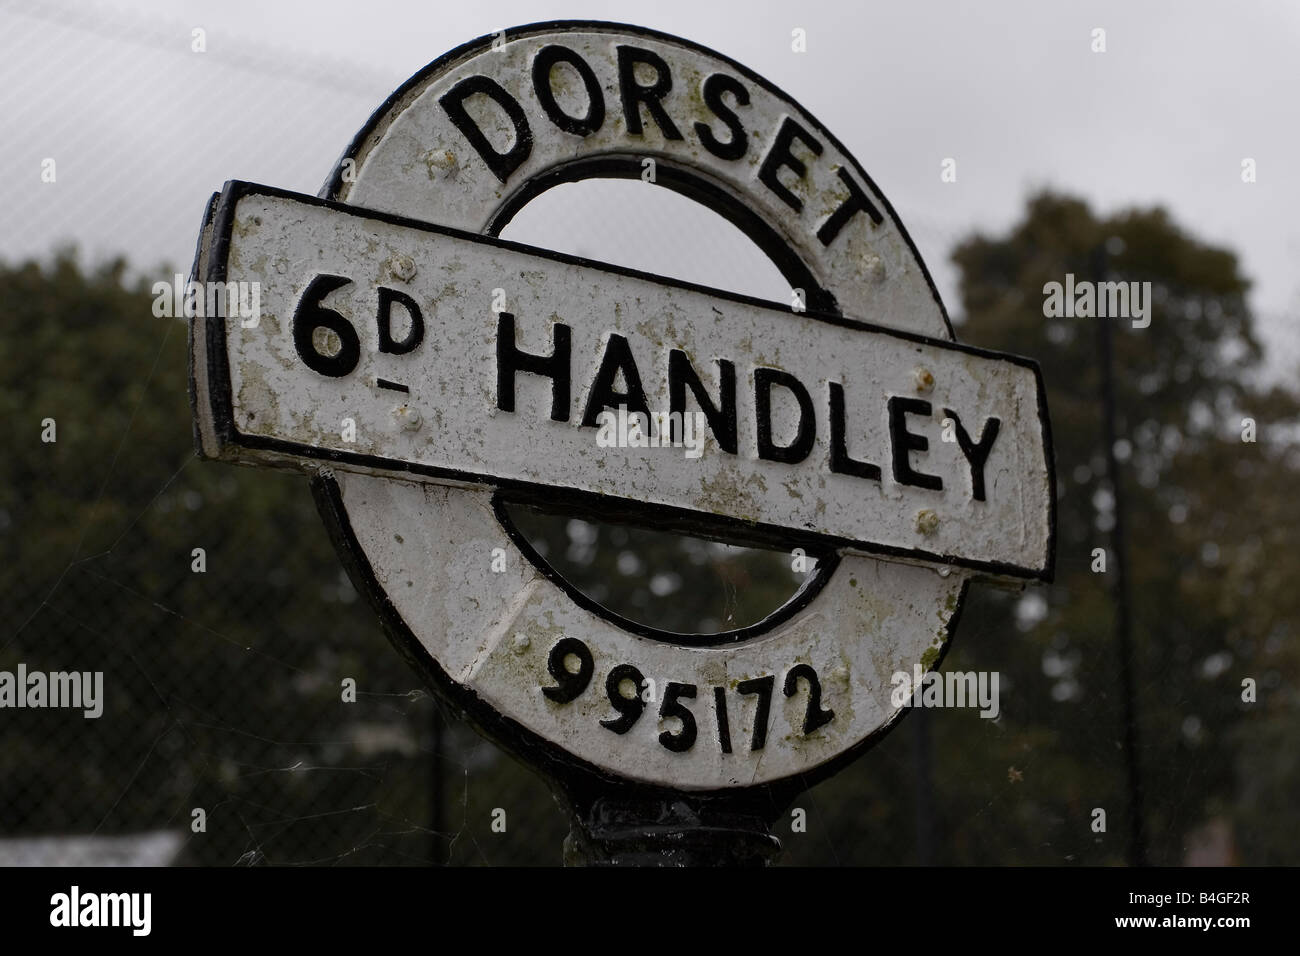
[143,129]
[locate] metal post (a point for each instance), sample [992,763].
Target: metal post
[623,826]
[1137,855]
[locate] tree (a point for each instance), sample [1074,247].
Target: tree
[1183,384]
[221,675]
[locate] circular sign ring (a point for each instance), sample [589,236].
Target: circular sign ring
[810,687]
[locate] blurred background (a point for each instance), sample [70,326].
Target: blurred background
[223,687]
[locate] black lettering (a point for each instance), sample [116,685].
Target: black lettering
[555,366]
[672,706]
[543,64]
[905,442]
[569,685]
[724,726]
[310,315]
[501,164]
[815,716]
[617,358]
[385,321]
[840,460]
[856,202]
[629,708]
[722,420]
[762,688]
[798,450]
[714,87]
[633,94]
[779,155]
[977,453]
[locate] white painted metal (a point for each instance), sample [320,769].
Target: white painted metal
[431,546]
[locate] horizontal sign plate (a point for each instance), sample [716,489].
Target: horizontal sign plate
[386,345]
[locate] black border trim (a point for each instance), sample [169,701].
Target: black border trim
[689,183]
[209,215]
[827,562]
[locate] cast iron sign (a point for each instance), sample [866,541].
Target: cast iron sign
[425,371]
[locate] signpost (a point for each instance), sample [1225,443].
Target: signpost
[425,372]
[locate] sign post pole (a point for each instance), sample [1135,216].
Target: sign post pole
[428,374]
[631,828]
